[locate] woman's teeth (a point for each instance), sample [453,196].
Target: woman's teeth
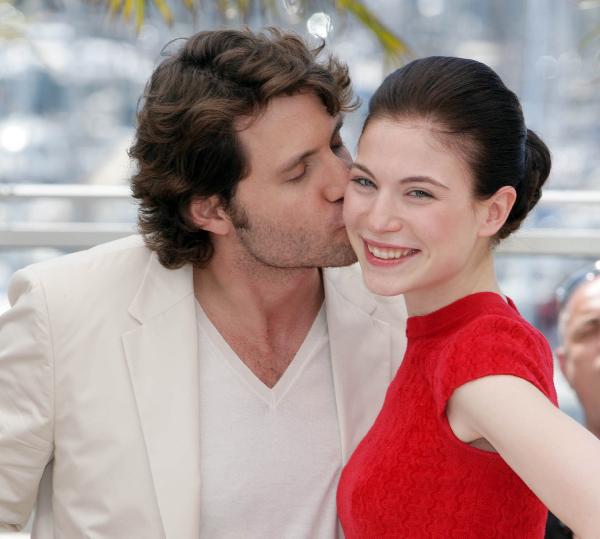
[386,253]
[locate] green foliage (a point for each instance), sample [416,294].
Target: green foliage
[12,21]
[393,46]
[590,37]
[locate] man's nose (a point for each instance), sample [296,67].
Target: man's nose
[337,176]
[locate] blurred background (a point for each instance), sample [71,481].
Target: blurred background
[71,73]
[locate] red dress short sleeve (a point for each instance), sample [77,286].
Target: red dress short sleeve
[492,345]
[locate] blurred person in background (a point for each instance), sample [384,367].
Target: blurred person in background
[209,378]
[578,353]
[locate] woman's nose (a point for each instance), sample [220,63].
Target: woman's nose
[384,215]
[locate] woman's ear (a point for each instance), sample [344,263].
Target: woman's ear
[496,210]
[208,214]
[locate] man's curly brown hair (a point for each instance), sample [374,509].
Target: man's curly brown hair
[186,142]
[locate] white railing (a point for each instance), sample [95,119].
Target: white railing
[63,190]
[536,241]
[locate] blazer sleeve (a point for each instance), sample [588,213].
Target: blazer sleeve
[26,398]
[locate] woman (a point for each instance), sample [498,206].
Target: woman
[469,442]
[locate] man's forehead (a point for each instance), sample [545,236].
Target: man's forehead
[281,109]
[591,291]
[293,128]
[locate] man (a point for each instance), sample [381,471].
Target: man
[579,332]
[207,379]
[579,352]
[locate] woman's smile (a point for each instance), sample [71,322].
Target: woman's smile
[380,254]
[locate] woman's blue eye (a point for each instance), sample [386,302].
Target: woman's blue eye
[363,182]
[418,193]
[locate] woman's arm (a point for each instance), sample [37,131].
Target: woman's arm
[554,455]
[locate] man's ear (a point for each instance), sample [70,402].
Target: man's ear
[496,210]
[562,360]
[208,214]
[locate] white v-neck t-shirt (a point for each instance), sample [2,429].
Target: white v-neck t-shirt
[270,458]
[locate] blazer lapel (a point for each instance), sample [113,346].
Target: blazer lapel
[362,362]
[162,360]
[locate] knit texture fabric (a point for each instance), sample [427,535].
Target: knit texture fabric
[411,477]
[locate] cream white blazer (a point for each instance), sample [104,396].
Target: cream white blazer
[99,390]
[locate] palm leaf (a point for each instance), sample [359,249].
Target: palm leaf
[139,14]
[127,9]
[114,5]
[589,37]
[393,46]
[243,8]
[12,21]
[166,12]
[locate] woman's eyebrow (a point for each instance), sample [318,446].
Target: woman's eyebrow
[408,179]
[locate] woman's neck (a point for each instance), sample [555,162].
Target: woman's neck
[477,277]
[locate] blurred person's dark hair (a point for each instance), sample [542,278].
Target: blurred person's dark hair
[569,286]
[566,289]
[194,104]
[468,107]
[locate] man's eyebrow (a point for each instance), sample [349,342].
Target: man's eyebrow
[294,161]
[408,179]
[584,321]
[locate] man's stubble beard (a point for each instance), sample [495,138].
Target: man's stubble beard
[271,245]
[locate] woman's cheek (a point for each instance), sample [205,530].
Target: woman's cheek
[353,208]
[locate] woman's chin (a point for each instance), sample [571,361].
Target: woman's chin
[381,286]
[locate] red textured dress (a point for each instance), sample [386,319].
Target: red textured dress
[411,477]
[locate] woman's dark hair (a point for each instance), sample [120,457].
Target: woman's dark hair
[470,108]
[186,142]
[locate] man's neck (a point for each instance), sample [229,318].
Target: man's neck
[263,313]
[273,297]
